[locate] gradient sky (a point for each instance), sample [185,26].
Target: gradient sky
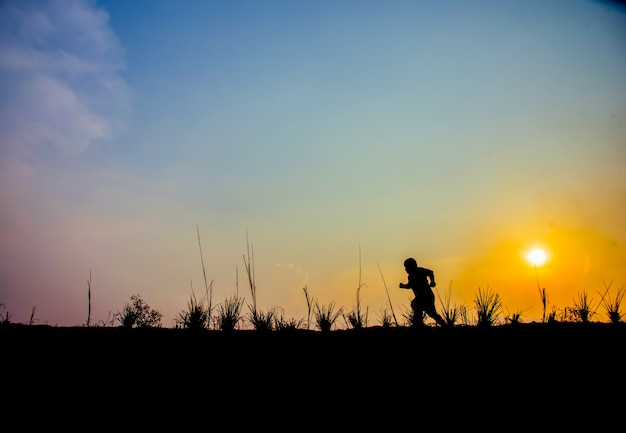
[336,138]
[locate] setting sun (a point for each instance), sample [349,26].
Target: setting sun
[537,256]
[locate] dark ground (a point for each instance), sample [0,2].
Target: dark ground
[524,377]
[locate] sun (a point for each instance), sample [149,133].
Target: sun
[537,256]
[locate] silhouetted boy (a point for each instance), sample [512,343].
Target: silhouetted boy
[421,280]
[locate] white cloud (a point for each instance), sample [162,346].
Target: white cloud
[60,63]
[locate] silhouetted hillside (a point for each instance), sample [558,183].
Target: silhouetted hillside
[515,371]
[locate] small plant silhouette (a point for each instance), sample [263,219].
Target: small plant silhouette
[584,308]
[514,318]
[261,320]
[385,317]
[408,315]
[283,324]
[612,305]
[326,316]
[451,314]
[138,314]
[488,307]
[355,318]
[229,314]
[198,313]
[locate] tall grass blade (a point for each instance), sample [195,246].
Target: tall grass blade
[89,299]
[388,296]
[207,290]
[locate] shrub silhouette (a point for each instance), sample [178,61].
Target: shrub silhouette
[138,314]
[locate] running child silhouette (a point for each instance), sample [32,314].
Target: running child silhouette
[421,280]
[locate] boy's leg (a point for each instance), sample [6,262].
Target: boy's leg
[418,313]
[432,312]
[418,317]
[440,320]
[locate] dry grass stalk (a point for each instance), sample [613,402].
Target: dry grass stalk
[89,299]
[310,304]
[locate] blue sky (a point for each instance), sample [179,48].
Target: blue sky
[338,138]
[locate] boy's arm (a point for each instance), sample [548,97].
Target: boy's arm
[431,274]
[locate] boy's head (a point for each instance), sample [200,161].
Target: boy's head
[410,263]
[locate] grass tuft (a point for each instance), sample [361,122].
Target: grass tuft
[409,317]
[262,321]
[283,324]
[198,313]
[584,307]
[612,304]
[326,316]
[386,318]
[488,307]
[228,316]
[513,318]
[451,314]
